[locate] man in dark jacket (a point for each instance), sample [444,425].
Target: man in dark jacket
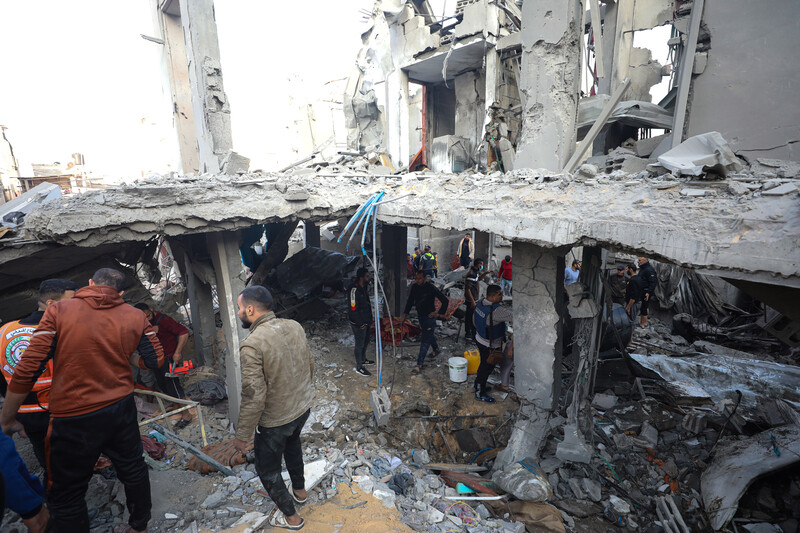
[650,281]
[618,283]
[634,292]
[359,313]
[427,262]
[90,339]
[423,295]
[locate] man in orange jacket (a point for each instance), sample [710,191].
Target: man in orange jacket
[34,413]
[91,340]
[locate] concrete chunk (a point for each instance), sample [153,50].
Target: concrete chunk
[781,190]
[700,153]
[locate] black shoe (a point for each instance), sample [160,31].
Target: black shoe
[484,398]
[436,353]
[368,362]
[363,371]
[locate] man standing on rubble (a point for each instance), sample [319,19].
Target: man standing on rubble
[34,413]
[427,262]
[359,314]
[650,281]
[173,337]
[423,294]
[471,295]
[491,317]
[618,284]
[466,249]
[505,275]
[277,391]
[90,339]
[634,292]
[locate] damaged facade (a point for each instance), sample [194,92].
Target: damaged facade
[689,424]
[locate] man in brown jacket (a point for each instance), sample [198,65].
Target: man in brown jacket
[91,340]
[277,391]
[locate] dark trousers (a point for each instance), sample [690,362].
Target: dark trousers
[272,445]
[167,385]
[73,446]
[469,322]
[428,272]
[484,370]
[362,341]
[36,425]
[465,261]
[427,339]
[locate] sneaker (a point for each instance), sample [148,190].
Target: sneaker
[368,362]
[363,371]
[485,398]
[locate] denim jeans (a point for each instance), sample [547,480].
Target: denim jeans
[272,445]
[505,285]
[427,339]
[362,341]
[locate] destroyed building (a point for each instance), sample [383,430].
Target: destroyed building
[690,424]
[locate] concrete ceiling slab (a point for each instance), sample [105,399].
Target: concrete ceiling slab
[466,56]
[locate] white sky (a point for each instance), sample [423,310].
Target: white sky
[77,77]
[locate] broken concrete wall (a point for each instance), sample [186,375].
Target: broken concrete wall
[550,82]
[644,72]
[752,61]
[470,107]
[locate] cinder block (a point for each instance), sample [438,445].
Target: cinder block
[381,406]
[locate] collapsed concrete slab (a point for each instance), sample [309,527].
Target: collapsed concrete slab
[750,238]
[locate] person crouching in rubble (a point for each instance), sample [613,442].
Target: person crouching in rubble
[90,339]
[359,314]
[491,317]
[173,337]
[277,390]
[422,295]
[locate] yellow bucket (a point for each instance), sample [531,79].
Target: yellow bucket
[473,358]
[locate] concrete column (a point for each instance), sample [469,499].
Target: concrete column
[538,301]
[311,234]
[224,250]
[394,243]
[201,305]
[397,102]
[212,115]
[550,82]
[492,65]
[482,241]
[175,72]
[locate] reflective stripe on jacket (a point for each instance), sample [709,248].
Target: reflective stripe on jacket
[14,339]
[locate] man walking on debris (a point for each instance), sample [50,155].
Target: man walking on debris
[650,281]
[471,295]
[277,391]
[618,283]
[634,292]
[173,337]
[359,313]
[505,275]
[90,339]
[422,295]
[466,249]
[34,413]
[491,317]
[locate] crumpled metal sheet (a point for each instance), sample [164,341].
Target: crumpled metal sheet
[685,291]
[738,463]
[632,112]
[721,375]
[311,267]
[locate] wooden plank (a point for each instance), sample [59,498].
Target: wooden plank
[597,126]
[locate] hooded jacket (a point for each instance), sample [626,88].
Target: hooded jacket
[90,339]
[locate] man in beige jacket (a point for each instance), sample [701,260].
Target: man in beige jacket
[277,391]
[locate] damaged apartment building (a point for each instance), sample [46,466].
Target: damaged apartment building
[529,125]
